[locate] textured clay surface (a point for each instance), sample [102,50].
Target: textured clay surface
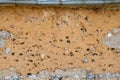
[50,38]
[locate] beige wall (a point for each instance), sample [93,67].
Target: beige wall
[49,38]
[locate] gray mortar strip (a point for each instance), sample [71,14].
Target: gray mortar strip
[58,74]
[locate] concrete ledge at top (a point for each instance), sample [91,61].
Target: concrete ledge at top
[7,1]
[69,2]
[18,2]
[73,2]
[37,2]
[89,2]
[49,2]
[25,2]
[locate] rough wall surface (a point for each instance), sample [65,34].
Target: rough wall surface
[50,38]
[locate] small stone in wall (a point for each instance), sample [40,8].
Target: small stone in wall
[116,30]
[7,51]
[108,75]
[85,60]
[5,34]
[93,48]
[32,76]
[109,34]
[90,76]
[8,78]
[42,56]
[100,76]
[2,43]
[112,39]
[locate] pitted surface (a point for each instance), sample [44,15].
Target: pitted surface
[49,38]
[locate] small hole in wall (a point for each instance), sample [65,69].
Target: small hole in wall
[101,53]
[28,74]
[13,39]
[109,16]
[35,64]
[16,60]
[97,41]
[1,29]
[110,65]
[83,29]
[90,34]
[26,33]
[61,40]
[22,43]
[67,37]
[112,48]
[97,30]
[38,63]
[99,65]
[86,18]
[88,49]
[48,56]
[63,53]
[20,54]
[41,60]
[70,63]
[27,64]
[76,50]
[5,57]
[71,54]
[13,53]
[30,60]
[68,41]
[92,60]
[29,69]
[94,54]
[103,69]
[108,48]
[7,19]
[40,39]
[32,55]
[54,40]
